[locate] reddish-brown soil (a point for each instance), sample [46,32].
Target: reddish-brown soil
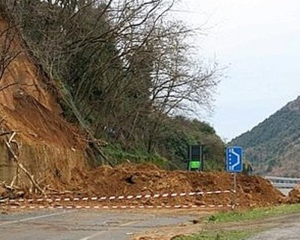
[147,179]
[129,179]
[294,195]
[45,143]
[53,150]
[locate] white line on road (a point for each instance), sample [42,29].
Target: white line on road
[101,232]
[33,218]
[92,236]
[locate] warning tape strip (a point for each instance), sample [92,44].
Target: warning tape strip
[110,198]
[116,206]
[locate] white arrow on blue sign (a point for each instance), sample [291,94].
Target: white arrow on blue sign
[234,159]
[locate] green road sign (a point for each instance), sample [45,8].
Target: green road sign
[194,164]
[195,158]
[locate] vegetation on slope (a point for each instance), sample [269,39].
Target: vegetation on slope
[123,70]
[273,145]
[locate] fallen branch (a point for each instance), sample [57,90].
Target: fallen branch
[20,165]
[5,133]
[11,191]
[7,187]
[11,137]
[14,180]
[2,120]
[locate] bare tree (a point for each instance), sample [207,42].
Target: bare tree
[177,81]
[8,51]
[121,65]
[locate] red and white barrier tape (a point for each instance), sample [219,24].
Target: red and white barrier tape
[116,206]
[111,198]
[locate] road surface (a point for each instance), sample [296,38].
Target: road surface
[124,224]
[85,224]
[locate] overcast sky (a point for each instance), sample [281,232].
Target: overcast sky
[259,42]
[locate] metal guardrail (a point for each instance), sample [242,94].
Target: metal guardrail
[283,182]
[284,185]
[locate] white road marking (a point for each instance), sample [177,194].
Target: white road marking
[101,232]
[33,218]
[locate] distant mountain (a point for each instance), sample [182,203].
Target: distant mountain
[273,146]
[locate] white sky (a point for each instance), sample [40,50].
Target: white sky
[259,41]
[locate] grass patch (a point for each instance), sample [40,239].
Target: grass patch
[254,214]
[214,232]
[220,235]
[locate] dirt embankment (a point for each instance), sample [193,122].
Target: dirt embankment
[181,188]
[46,144]
[294,195]
[147,179]
[53,150]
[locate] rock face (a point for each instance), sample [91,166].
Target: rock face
[46,144]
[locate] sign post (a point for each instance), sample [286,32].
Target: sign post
[234,164]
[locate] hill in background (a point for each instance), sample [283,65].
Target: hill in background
[273,146]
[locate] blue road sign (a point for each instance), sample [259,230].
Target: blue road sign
[234,159]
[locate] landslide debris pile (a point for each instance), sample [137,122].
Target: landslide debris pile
[147,179]
[53,150]
[294,195]
[129,179]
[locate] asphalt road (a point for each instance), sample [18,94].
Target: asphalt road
[123,224]
[83,224]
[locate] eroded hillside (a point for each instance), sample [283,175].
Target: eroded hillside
[44,142]
[53,151]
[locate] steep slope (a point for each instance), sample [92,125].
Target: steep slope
[273,146]
[46,144]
